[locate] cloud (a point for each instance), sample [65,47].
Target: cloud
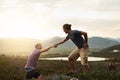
[93,9]
[87,9]
[109,5]
[93,16]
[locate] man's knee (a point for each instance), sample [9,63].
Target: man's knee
[84,61]
[70,59]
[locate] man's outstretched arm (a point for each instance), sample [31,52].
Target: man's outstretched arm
[46,49]
[61,42]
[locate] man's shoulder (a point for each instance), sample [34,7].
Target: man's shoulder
[76,31]
[37,51]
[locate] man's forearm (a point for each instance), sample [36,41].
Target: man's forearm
[46,49]
[86,37]
[60,43]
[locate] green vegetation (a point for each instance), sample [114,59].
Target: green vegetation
[12,68]
[108,52]
[110,49]
[107,55]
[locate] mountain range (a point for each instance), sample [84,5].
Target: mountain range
[101,43]
[94,42]
[118,39]
[26,45]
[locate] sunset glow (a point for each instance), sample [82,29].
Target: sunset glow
[43,19]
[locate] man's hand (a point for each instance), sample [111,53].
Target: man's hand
[55,45]
[85,46]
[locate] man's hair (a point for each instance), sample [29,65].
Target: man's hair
[37,45]
[67,26]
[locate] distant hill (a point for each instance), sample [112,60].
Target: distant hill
[65,48]
[101,43]
[114,39]
[118,39]
[111,49]
[110,52]
[68,44]
[94,42]
[26,45]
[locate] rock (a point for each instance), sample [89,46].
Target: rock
[74,79]
[61,77]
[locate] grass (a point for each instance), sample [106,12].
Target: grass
[12,68]
[106,54]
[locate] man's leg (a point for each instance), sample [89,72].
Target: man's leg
[72,57]
[85,65]
[37,75]
[72,65]
[84,59]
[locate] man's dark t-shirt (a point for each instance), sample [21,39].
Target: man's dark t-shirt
[76,38]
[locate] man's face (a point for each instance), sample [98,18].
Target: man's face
[65,30]
[39,46]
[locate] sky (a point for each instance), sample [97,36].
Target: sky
[42,19]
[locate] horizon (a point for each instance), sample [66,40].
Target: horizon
[26,45]
[53,37]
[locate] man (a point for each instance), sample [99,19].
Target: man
[30,67]
[80,39]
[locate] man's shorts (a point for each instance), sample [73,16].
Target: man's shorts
[31,73]
[82,53]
